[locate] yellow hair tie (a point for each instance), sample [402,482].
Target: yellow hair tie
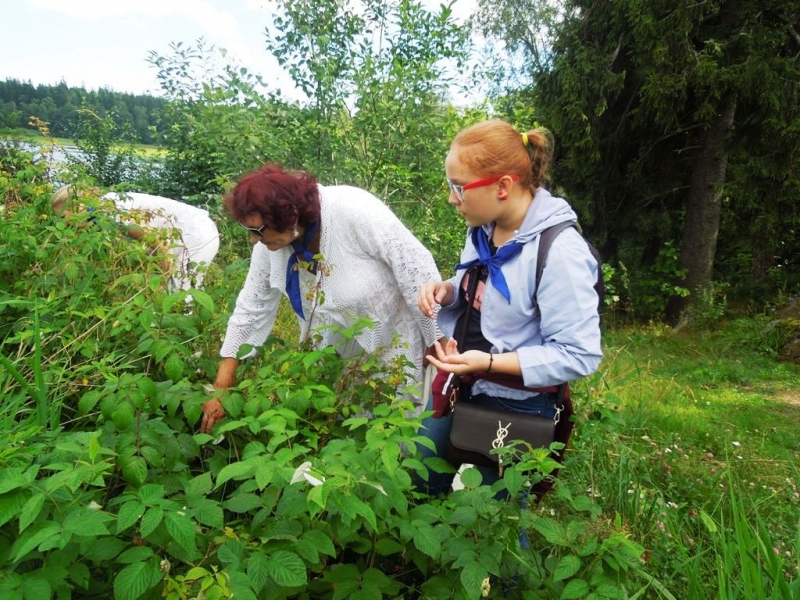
[525,139]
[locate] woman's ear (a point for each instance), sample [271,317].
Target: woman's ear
[504,187]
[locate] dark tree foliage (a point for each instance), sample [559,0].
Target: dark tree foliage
[679,127]
[59,105]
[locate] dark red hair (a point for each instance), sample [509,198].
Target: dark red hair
[282,199]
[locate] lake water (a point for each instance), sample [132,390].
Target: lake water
[56,156]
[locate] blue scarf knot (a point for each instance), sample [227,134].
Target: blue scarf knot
[299,250]
[485,258]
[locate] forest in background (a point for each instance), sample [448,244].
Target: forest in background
[677,129]
[137,117]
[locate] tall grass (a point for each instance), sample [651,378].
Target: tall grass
[693,449]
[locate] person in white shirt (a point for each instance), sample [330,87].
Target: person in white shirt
[371,266]
[186,232]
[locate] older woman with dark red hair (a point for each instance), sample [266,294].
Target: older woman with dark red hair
[338,241]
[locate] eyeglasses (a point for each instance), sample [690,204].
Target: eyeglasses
[458,190]
[254,230]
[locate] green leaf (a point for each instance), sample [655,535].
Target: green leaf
[103,549]
[85,522]
[425,539]
[151,519]
[203,299]
[237,470]
[471,478]
[231,553]
[79,573]
[182,531]
[151,493]
[241,503]
[94,447]
[463,515]
[88,401]
[319,496]
[566,567]
[133,581]
[583,503]
[387,547]
[174,367]
[258,570]
[307,551]
[264,475]
[287,569]
[30,511]
[513,480]
[322,542]
[123,416]
[33,537]
[171,300]
[12,479]
[472,577]
[365,511]
[35,588]
[129,513]
[552,530]
[199,486]
[208,512]
[576,588]
[134,469]
[709,523]
[135,555]
[11,504]
[147,386]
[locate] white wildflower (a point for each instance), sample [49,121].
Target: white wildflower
[485,587]
[303,473]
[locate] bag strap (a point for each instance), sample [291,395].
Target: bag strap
[545,241]
[474,279]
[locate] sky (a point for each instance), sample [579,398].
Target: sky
[105,43]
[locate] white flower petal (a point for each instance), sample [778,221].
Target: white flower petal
[313,480]
[300,472]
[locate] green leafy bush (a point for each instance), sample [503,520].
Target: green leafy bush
[306,490]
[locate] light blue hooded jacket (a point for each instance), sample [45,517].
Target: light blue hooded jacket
[556,339]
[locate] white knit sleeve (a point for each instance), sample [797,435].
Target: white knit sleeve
[256,306]
[411,263]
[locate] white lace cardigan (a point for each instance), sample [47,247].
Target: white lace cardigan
[372,266]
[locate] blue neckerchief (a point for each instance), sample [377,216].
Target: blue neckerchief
[505,253]
[299,248]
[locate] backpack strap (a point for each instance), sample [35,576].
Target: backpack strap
[545,241]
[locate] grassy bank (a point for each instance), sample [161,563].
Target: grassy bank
[692,440]
[30,136]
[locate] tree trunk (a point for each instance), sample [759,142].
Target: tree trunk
[703,211]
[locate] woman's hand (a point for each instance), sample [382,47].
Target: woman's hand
[212,412]
[432,294]
[449,359]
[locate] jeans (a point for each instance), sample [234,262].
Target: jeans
[438,430]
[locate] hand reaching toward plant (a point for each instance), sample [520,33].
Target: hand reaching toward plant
[212,413]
